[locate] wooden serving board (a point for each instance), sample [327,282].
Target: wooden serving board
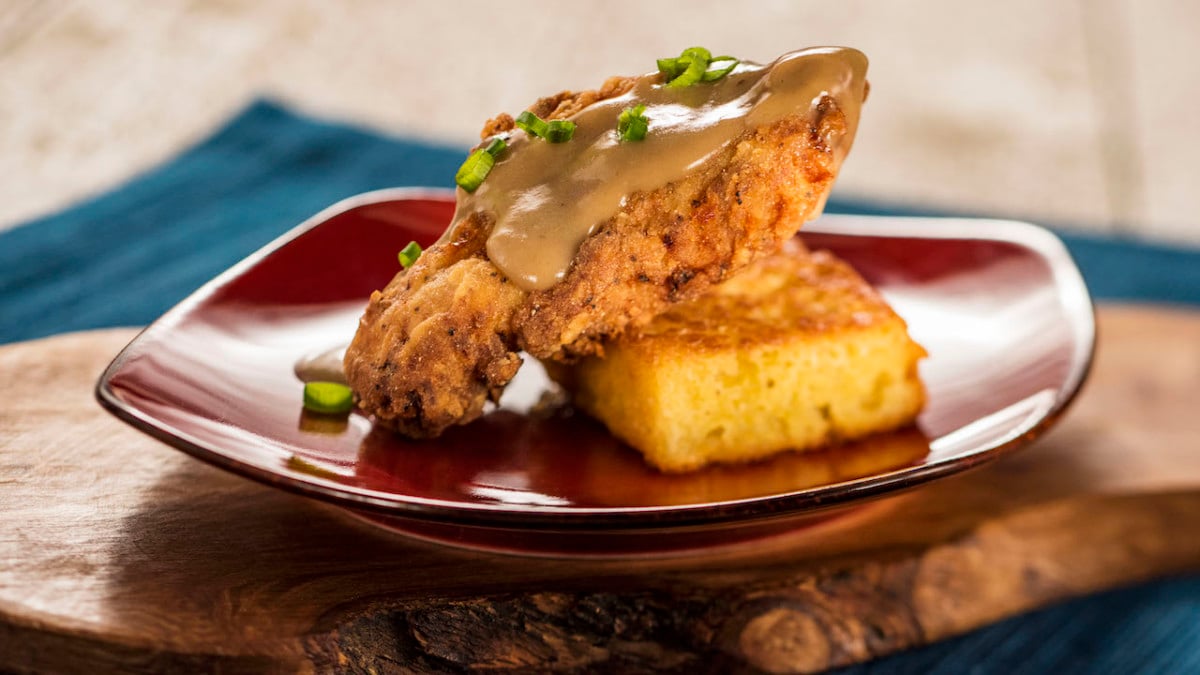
[119,553]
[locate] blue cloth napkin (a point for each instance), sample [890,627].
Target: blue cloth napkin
[125,257]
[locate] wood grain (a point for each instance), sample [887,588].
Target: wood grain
[965,96]
[119,553]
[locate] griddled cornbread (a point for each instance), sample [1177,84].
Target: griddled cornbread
[795,352]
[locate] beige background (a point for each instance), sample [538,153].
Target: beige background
[1068,111]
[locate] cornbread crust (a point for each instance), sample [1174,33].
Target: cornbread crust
[795,352]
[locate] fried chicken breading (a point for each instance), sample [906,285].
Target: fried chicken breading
[443,337]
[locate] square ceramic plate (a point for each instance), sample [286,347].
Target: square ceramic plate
[1000,307]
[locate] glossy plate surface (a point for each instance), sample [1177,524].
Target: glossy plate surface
[999,305]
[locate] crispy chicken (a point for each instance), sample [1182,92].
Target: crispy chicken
[443,337]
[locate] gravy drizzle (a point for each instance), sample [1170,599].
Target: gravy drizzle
[548,197]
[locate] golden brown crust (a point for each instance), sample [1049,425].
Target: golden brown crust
[791,293]
[409,370]
[674,243]
[435,344]
[794,352]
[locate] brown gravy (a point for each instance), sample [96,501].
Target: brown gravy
[548,197]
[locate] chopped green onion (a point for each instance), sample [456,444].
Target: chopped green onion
[409,254]
[692,67]
[554,131]
[633,123]
[696,60]
[472,172]
[531,124]
[560,131]
[329,398]
[671,68]
[479,164]
[692,54]
[714,74]
[496,146]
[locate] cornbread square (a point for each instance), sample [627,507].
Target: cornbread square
[795,352]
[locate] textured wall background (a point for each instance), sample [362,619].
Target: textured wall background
[1071,112]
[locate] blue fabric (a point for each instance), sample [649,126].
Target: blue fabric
[1153,628]
[125,257]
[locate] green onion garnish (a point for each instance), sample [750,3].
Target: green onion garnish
[560,131]
[472,172]
[531,124]
[554,131]
[695,61]
[714,74]
[409,254]
[671,68]
[495,147]
[692,67]
[633,123]
[329,398]
[478,165]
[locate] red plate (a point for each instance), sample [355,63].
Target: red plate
[999,305]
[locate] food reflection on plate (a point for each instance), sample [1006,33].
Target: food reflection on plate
[562,459]
[317,423]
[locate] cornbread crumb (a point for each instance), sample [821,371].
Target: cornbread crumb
[796,352]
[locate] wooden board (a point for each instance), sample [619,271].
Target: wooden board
[119,553]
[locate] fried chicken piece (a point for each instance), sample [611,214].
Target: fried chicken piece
[436,343]
[674,243]
[442,338]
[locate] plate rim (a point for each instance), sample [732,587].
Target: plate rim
[1080,312]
